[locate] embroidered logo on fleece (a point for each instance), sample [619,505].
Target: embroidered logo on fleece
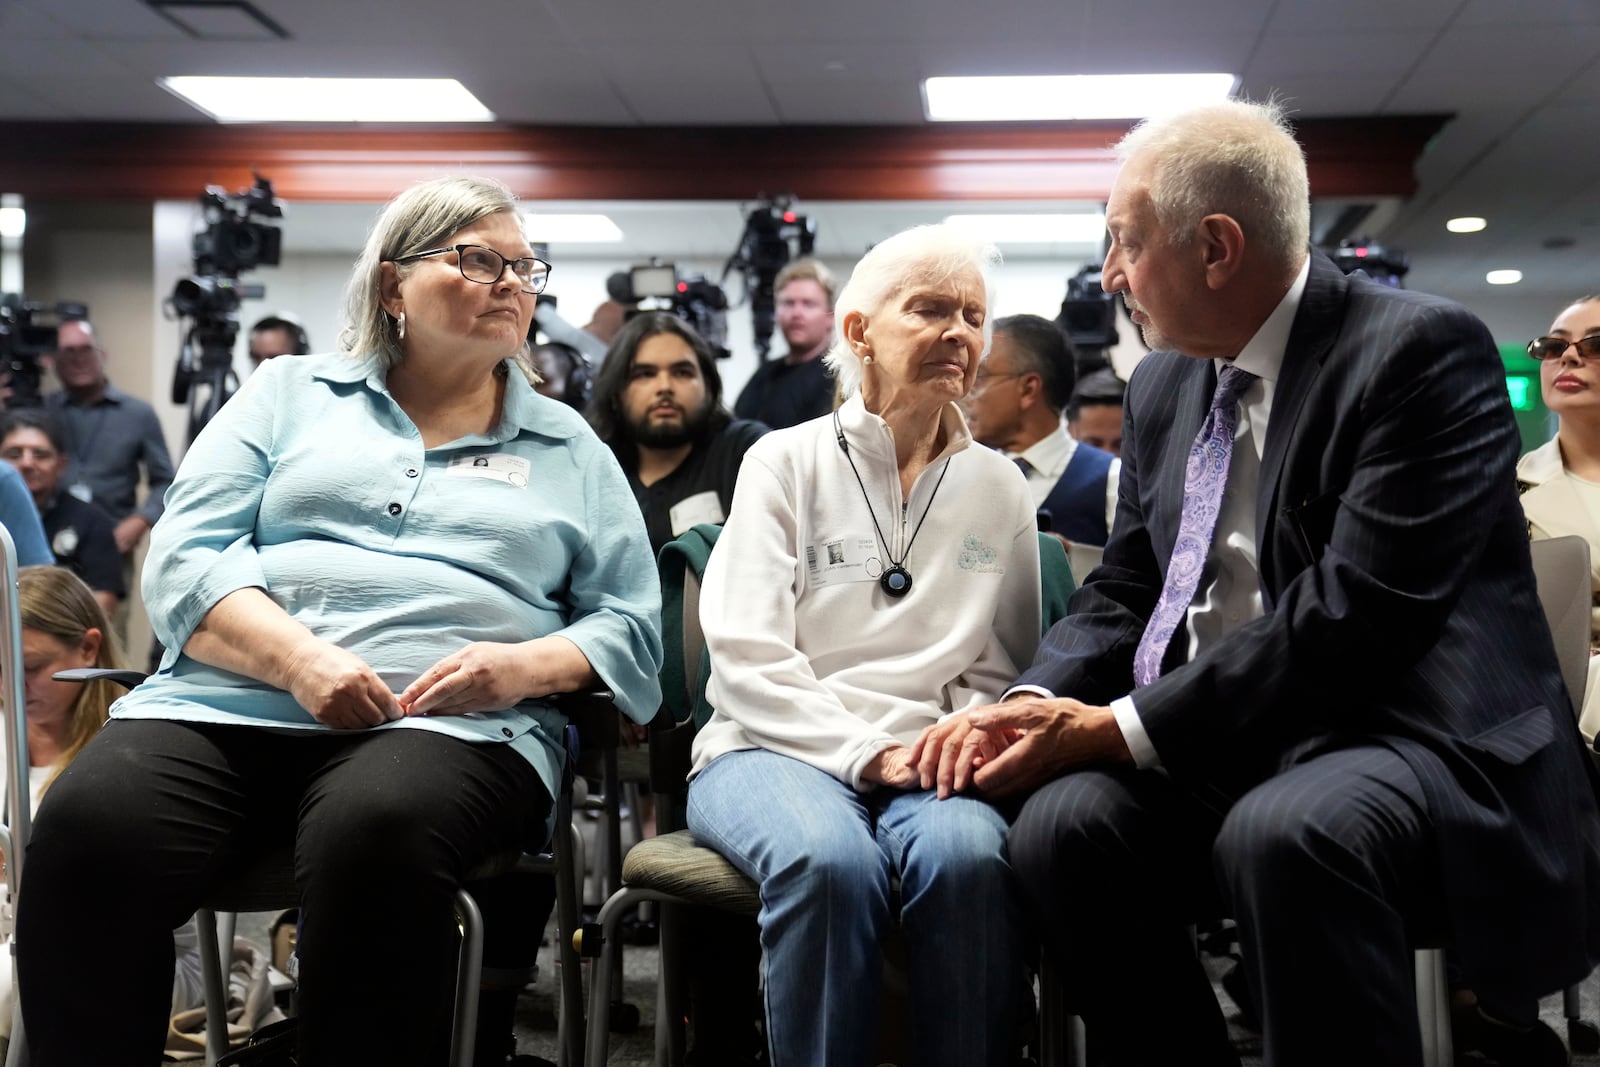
[979,557]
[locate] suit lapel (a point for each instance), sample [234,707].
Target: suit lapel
[1316,327]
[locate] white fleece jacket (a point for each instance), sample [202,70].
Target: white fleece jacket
[809,657]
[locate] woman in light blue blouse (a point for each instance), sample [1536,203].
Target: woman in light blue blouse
[372,566]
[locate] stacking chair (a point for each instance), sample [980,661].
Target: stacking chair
[1561,569]
[671,868]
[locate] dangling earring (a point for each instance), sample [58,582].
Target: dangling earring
[400,326]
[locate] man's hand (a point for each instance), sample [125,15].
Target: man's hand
[892,767]
[338,688]
[1017,746]
[129,532]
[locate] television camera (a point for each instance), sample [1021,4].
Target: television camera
[27,332]
[234,240]
[1089,317]
[702,304]
[773,234]
[1385,266]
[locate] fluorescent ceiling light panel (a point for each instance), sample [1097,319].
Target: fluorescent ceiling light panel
[571,229]
[330,99]
[1503,277]
[1069,96]
[13,222]
[1085,228]
[1466,224]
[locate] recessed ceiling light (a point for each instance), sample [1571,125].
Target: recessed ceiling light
[13,222]
[1069,96]
[1503,277]
[330,99]
[1085,228]
[1466,224]
[571,229]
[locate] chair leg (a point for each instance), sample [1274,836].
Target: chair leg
[216,983]
[599,1021]
[569,895]
[1433,1009]
[17,1051]
[464,1031]
[1583,1037]
[673,995]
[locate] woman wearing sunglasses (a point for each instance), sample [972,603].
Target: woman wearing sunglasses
[1560,479]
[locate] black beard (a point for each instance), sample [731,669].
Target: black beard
[647,434]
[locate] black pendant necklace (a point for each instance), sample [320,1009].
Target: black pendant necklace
[896,581]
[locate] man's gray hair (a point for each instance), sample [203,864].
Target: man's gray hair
[918,256]
[1235,158]
[417,220]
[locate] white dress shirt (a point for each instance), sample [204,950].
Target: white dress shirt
[1230,588]
[1048,458]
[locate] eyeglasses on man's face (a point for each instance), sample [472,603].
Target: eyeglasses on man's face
[983,377]
[485,266]
[1555,347]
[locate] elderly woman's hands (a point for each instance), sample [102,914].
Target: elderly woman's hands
[892,767]
[490,676]
[337,687]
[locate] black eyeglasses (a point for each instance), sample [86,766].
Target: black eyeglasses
[1556,347]
[485,266]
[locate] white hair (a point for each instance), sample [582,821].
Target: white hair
[916,256]
[415,221]
[1238,158]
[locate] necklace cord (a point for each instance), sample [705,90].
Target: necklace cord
[867,499]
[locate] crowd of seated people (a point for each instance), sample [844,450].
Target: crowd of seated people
[1314,470]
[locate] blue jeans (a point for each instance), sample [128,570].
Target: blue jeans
[823,855]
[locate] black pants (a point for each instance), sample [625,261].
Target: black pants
[384,825]
[1322,867]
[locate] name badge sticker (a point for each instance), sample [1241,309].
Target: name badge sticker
[691,511]
[842,559]
[499,467]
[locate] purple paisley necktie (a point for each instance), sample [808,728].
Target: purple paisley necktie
[1204,477]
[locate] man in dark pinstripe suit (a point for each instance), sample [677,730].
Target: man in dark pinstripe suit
[1357,735]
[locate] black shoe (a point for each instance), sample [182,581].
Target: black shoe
[1508,1045]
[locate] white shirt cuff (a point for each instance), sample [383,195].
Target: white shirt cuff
[1133,733]
[1038,691]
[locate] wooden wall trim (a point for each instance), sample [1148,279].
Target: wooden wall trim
[145,162]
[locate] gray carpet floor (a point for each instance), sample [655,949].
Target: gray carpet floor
[536,1031]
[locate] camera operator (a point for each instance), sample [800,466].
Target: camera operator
[277,335]
[797,387]
[78,534]
[110,436]
[658,404]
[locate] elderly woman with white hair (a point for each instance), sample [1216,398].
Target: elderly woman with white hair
[878,573]
[374,566]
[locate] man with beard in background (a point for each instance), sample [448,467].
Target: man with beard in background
[658,404]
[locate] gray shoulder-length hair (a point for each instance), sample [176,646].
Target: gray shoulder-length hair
[916,256]
[415,221]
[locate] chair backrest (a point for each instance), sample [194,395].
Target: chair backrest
[15,745]
[1561,568]
[1085,558]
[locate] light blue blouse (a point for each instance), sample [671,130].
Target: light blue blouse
[314,485]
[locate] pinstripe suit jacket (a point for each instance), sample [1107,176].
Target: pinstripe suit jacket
[1400,609]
